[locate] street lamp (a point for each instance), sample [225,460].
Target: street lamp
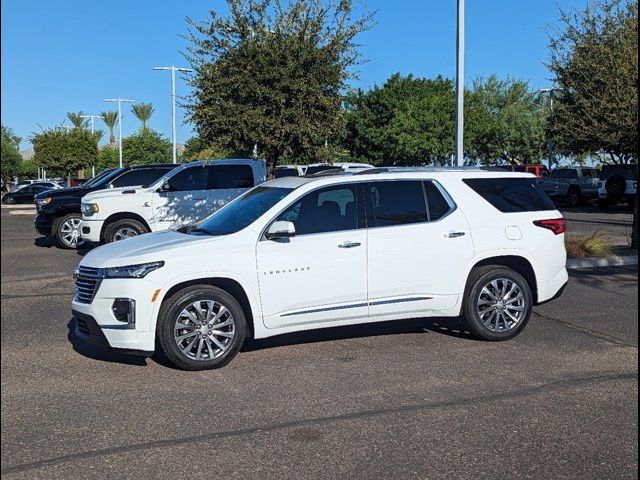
[119,100]
[92,117]
[173,70]
[460,86]
[551,92]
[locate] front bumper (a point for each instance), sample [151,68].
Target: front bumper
[91,230]
[98,320]
[43,223]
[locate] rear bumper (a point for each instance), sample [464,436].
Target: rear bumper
[552,289]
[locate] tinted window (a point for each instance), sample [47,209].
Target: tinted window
[321,168]
[99,177]
[142,176]
[395,203]
[193,178]
[230,176]
[286,172]
[242,212]
[437,203]
[511,195]
[330,209]
[564,173]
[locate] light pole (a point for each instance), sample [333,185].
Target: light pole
[550,91]
[119,100]
[173,70]
[460,86]
[92,117]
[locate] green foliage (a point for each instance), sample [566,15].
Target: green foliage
[64,152]
[108,158]
[505,122]
[407,121]
[27,169]
[271,74]
[198,149]
[594,57]
[146,146]
[110,119]
[11,159]
[143,112]
[77,121]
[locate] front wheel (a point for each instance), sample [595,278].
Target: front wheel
[498,303]
[573,198]
[201,327]
[67,230]
[123,229]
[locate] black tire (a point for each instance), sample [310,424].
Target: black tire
[9,200]
[616,186]
[113,230]
[59,235]
[478,279]
[573,198]
[170,312]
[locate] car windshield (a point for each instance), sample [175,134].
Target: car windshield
[242,212]
[100,178]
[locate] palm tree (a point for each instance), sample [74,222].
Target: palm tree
[77,121]
[110,119]
[143,112]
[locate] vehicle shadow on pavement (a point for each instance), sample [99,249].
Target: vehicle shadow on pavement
[97,352]
[444,326]
[45,242]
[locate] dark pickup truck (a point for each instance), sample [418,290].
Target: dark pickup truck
[59,210]
[574,185]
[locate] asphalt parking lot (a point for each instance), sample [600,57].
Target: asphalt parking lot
[411,399]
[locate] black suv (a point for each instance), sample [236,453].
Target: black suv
[59,210]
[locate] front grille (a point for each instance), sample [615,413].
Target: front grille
[87,283]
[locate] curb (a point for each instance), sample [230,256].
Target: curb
[602,262]
[18,207]
[23,212]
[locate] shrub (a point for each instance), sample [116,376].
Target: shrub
[595,245]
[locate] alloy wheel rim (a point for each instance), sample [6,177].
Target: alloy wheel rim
[70,232]
[123,233]
[501,305]
[204,330]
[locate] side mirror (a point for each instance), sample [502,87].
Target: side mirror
[166,187]
[281,229]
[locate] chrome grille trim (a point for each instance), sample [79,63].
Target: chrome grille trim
[87,283]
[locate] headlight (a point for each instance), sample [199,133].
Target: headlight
[44,201]
[131,271]
[89,209]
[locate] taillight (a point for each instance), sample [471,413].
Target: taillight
[556,225]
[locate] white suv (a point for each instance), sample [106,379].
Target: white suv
[185,195]
[302,253]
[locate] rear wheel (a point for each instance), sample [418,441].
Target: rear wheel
[9,200]
[201,327]
[66,230]
[123,229]
[573,198]
[498,303]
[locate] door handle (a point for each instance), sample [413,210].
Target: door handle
[454,234]
[349,244]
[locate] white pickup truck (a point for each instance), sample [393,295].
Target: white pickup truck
[183,196]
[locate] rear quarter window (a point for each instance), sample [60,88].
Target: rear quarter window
[512,195]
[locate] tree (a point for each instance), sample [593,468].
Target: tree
[505,122]
[594,58]
[146,146]
[57,150]
[143,112]
[407,121]
[271,74]
[77,121]
[196,148]
[11,159]
[110,119]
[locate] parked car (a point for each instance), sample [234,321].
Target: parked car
[313,252]
[186,195]
[289,171]
[59,211]
[25,194]
[574,185]
[618,183]
[353,167]
[539,170]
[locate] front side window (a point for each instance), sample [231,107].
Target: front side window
[330,209]
[395,203]
[189,179]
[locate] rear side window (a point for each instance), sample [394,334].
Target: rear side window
[436,202]
[511,195]
[395,203]
[230,176]
[143,176]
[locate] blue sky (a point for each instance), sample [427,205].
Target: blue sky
[68,55]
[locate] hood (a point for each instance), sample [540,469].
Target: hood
[63,192]
[114,192]
[151,247]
